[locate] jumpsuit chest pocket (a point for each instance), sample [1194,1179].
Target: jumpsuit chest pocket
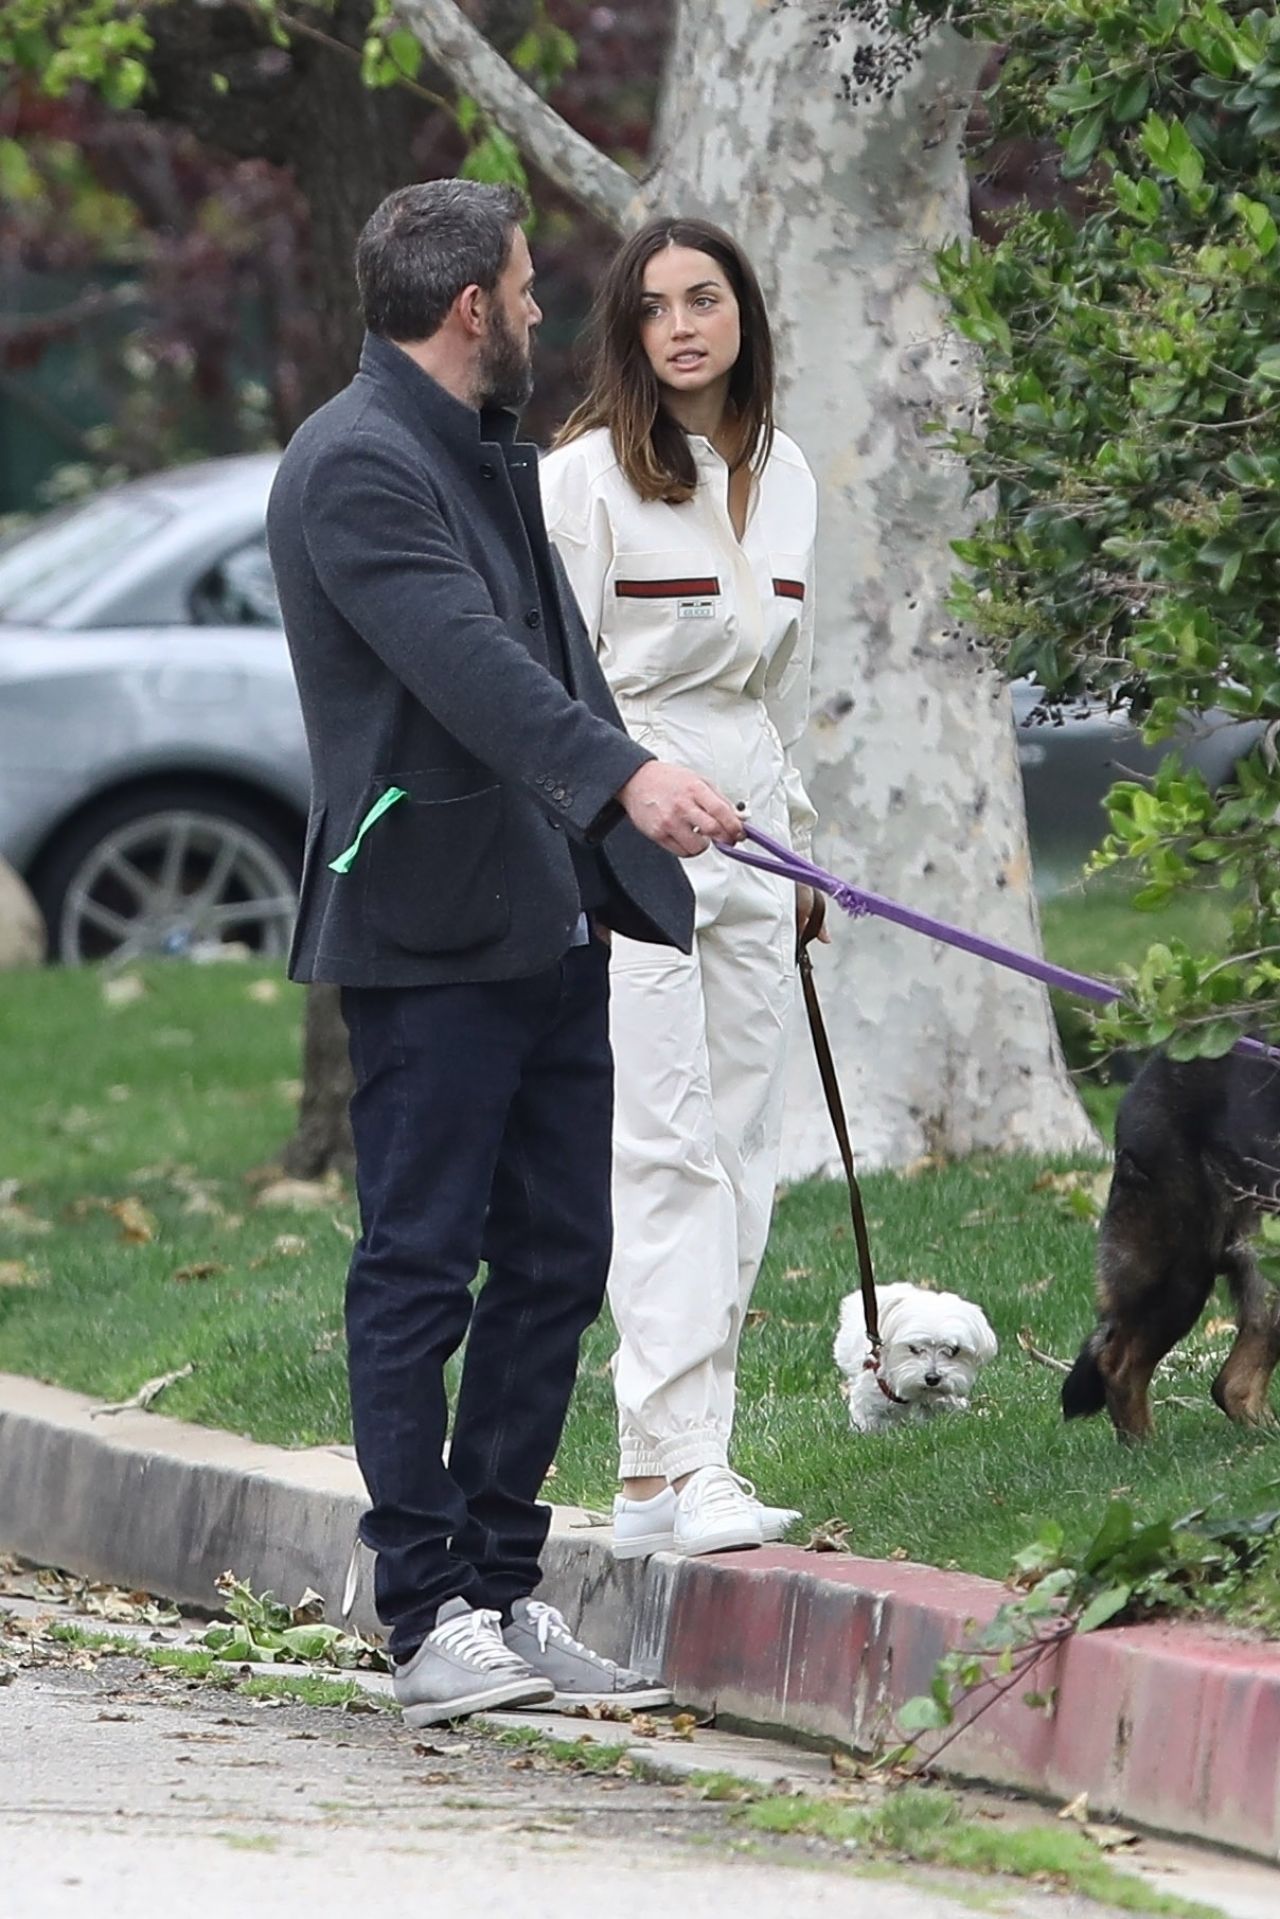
[665,613]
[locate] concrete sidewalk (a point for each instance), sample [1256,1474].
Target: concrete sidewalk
[1172,1727]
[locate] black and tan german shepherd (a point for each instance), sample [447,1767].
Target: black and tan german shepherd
[1197,1164]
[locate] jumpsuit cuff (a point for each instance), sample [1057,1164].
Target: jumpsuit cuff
[672,1458]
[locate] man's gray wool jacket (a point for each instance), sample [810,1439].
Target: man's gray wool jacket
[438,648]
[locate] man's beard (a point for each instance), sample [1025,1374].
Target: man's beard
[504,376]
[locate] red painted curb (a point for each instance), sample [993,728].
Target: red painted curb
[1174,1727]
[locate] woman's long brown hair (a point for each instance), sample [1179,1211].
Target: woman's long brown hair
[623,392]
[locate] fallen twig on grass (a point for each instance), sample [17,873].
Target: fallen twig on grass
[1026,1339]
[150,1390]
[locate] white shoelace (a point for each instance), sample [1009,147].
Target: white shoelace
[550,1624]
[718,1491]
[477,1637]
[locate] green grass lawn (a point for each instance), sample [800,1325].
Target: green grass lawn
[176,1100]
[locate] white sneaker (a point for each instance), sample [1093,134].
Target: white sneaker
[645,1526]
[463,1666]
[776,1521]
[715,1513]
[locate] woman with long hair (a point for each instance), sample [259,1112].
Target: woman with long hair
[686,521]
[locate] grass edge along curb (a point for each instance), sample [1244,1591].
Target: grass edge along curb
[922,1824]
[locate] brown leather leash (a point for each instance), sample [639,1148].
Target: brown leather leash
[835,1106]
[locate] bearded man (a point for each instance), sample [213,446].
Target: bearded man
[479,822]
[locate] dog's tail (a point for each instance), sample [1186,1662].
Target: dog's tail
[1084,1390]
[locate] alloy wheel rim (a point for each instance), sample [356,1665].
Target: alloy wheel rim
[177,884]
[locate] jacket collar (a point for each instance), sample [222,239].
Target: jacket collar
[435,413]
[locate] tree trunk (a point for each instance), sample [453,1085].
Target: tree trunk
[911,756]
[322,1140]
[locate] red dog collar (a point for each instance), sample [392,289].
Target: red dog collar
[872,1365]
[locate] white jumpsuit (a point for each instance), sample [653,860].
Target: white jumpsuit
[707,644]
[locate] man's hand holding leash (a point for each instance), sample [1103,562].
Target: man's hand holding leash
[678,809]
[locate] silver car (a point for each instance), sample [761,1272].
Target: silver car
[153,770]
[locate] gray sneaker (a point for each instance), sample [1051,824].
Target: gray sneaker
[581,1677]
[463,1666]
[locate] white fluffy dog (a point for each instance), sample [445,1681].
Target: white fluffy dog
[934,1345]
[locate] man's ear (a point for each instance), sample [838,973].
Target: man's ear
[472,308]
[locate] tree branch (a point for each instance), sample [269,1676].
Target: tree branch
[595,181]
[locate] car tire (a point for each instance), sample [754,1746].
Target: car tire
[175,870]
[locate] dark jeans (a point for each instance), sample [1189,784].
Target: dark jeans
[483,1120]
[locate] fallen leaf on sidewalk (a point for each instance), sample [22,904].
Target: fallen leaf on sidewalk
[1077,1808]
[146,1393]
[1110,1838]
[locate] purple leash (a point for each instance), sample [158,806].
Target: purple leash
[854,900]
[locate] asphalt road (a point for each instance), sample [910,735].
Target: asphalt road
[125,1791]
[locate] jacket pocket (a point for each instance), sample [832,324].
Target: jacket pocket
[435,872]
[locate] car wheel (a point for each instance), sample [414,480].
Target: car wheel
[170,872]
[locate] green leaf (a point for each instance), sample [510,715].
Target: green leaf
[1257,218]
[405,50]
[1115,1531]
[1104,1606]
[495,159]
[1265,120]
[1155,138]
[1083,143]
[924,1714]
[1132,99]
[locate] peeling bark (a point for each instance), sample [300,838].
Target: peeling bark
[911,755]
